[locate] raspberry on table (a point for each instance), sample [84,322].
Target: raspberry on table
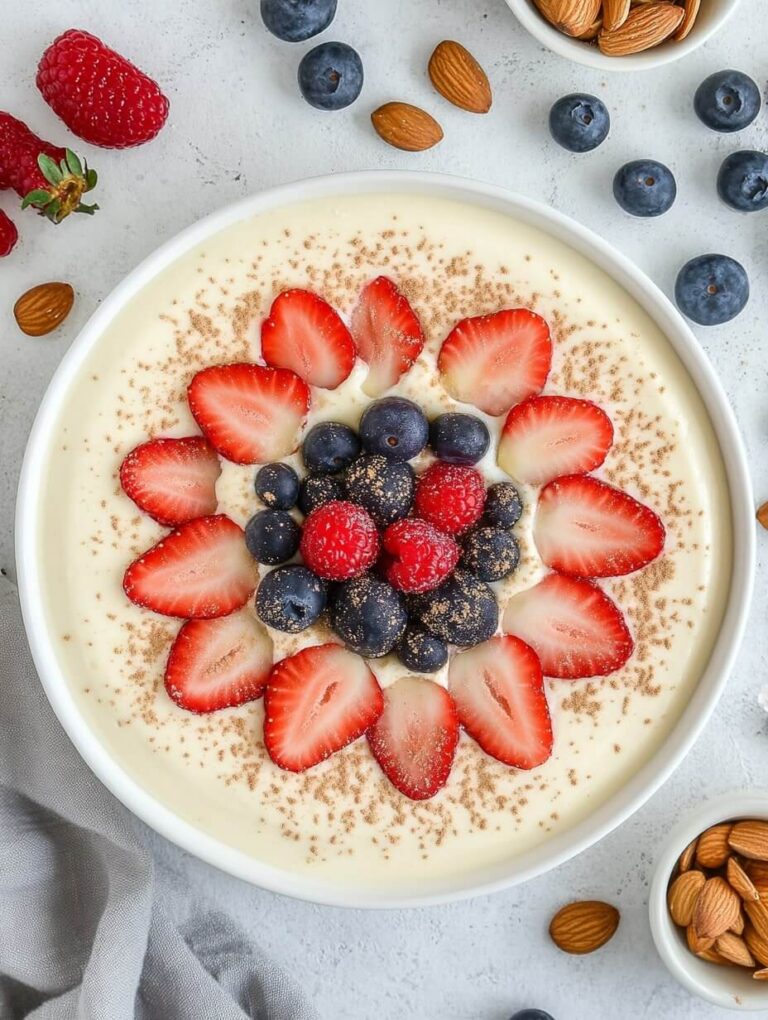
[9,235]
[339,541]
[450,496]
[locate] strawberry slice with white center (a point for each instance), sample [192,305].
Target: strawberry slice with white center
[388,334]
[498,688]
[546,437]
[587,528]
[572,625]
[414,740]
[303,333]
[218,663]
[201,570]
[172,480]
[495,361]
[250,414]
[318,701]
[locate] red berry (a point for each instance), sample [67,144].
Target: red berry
[388,335]
[418,556]
[339,541]
[172,480]
[450,496]
[9,235]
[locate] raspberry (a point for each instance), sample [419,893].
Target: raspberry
[418,557]
[340,541]
[450,496]
[9,235]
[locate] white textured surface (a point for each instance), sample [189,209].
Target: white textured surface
[238,125]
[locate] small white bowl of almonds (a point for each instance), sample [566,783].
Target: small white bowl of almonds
[709,902]
[622,35]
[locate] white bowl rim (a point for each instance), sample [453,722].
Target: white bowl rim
[618,807]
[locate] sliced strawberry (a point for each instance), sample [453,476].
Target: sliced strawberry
[201,570]
[172,480]
[318,701]
[572,625]
[586,528]
[250,414]
[414,740]
[305,334]
[218,663]
[498,688]
[495,361]
[388,335]
[545,437]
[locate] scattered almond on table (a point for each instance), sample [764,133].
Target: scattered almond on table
[622,27]
[40,310]
[583,926]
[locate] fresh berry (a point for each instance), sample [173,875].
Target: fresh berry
[727,101]
[421,651]
[331,76]
[9,235]
[545,437]
[368,616]
[101,97]
[645,188]
[297,20]
[387,333]
[587,528]
[499,692]
[462,611]
[249,413]
[459,438]
[742,182]
[291,598]
[417,556]
[531,1014]
[329,447]
[201,570]
[712,289]
[305,334]
[395,428]
[272,536]
[317,490]
[572,625]
[495,361]
[490,553]
[579,122]
[218,663]
[414,739]
[450,496]
[318,701]
[172,480]
[277,486]
[339,541]
[503,506]
[383,487]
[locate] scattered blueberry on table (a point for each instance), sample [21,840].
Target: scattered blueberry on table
[645,187]
[297,20]
[742,182]
[531,1014]
[579,122]
[712,289]
[727,101]
[331,76]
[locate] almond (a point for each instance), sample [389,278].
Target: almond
[682,896]
[615,13]
[758,915]
[689,17]
[717,908]
[406,127]
[739,880]
[459,78]
[43,308]
[738,927]
[750,839]
[647,26]
[761,975]
[696,943]
[734,949]
[592,32]
[758,872]
[758,946]
[685,861]
[712,849]
[762,515]
[712,956]
[584,926]
[571,16]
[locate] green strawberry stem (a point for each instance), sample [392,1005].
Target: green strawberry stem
[69,180]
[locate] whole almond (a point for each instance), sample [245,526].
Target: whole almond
[738,926]
[615,13]
[712,849]
[406,127]
[739,880]
[584,926]
[712,956]
[761,975]
[758,872]
[691,11]
[717,908]
[647,26]
[734,949]
[750,839]
[758,946]
[571,16]
[682,896]
[697,943]
[758,915]
[592,32]
[685,861]
[762,515]
[459,78]
[43,308]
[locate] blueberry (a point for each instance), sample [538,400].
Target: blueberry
[277,486]
[291,598]
[645,188]
[368,615]
[490,553]
[272,536]
[743,181]
[421,651]
[317,490]
[329,447]
[394,427]
[383,487]
[462,611]
[331,76]
[459,438]
[531,1014]
[727,101]
[712,289]
[579,122]
[503,506]
[297,20]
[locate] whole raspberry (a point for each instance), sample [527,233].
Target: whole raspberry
[339,541]
[102,97]
[450,496]
[9,235]
[417,557]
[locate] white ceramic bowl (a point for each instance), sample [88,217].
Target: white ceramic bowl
[31,570]
[712,16]
[730,987]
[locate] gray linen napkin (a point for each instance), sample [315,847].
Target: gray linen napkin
[82,936]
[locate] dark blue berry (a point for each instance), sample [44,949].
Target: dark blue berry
[421,651]
[727,101]
[297,20]
[395,428]
[579,122]
[331,76]
[329,447]
[645,188]
[531,1014]
[712,289]
[272,536]
[462,611]
[503,506]
[291,598]
[742,182]
[459,438]
[277,486]
[368,615]
[490,553]
[317,490]
[383,487]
